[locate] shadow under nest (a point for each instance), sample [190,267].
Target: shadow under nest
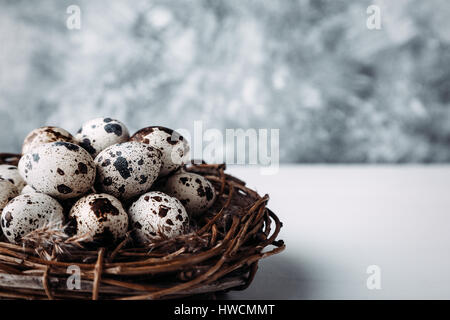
[220,253]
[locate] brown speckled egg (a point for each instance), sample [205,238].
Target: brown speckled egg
[194,191]
[28,212]
[127,169]
[7,192]
[60,169]
[156,215]
[100,216]
[173,146]
[11,173]
[97,134]
[43,135]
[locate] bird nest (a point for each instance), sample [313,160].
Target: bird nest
[220,253]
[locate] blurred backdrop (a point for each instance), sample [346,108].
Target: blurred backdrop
[337,91]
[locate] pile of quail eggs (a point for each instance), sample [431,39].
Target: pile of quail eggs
[112,182]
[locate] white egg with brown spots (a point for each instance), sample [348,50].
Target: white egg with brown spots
[173,146]
[97,134]
[11,173]
[100,216]
[60,169]
[127,169]
[195,192]
[8,191]
[44,135]
[156,215]
[28,212]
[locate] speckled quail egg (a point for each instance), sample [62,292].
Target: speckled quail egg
[43,135]
[28,212]
[27,189]
[11,173]
[7,192]
[127,169]
[156,215]
[60,169]
[100,216]
[173,146]
[97,134]
[194,191]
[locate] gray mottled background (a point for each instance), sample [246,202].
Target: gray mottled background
[338,91]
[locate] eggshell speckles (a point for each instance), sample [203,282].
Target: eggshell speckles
[100,216]
[156,215]
[28,189]
[28,212]
[127,169]
[60,169]
[194,191]
[97,134]
[11,173]
[174,147]
[44,135]
[7,192]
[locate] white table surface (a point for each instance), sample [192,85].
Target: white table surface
[338,220]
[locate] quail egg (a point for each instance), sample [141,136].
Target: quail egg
[156,215]
[28,212]
[97,134]
[60,169]
[173,146]
[43,135]
[100,216]
[127,169]
[7,192]
[194,191]
[11,173]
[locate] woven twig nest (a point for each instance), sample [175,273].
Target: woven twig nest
[221,253]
